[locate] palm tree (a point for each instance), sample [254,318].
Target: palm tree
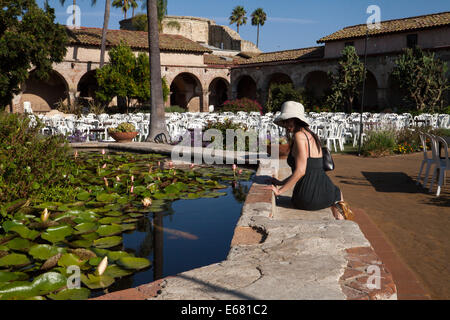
[134,5]
[104,32]
[238,17]
[63,2]
[259,17]
[123,4]
[157,118]
[162,11]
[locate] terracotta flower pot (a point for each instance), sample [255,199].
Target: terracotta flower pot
[283,150]
[123,137]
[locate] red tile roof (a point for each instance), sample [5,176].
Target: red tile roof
[135,39]
[287,55]
[212,59]
[391,26]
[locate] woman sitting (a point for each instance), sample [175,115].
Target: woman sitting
[313,188]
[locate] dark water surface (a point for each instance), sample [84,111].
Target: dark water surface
[188,235]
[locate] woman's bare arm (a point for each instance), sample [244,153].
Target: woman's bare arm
[301,158]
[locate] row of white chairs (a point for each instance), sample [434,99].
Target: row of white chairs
[335,129]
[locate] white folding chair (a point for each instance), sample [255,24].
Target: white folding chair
[440,164]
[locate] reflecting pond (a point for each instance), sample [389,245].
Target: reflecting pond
[128,219]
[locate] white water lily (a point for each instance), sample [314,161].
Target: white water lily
[146,202]
[102,266]
[45,215]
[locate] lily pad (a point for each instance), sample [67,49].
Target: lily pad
[90,236]
[109,230]
[44,251]
[82,243]
[71,294]
[97,282]
[49,282]
[107,197]
[14,259]
[19,244]
[70,259]
[116,255]
[108,242]
[6,276]
[18,290]
[133,263]
[58,233]
[115,271]
[20,229]
[83,196]
[86,227]
[110,220]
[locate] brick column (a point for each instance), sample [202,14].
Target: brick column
[204,101]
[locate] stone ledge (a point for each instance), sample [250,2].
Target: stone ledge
[354,281]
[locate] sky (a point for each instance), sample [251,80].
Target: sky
[291,24]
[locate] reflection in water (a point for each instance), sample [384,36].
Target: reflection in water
[240,191]
[158,240]
[187,234]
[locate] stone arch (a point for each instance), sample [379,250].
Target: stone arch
[371,92]
[186,92]
[87,86]
[218,91]
[246,88]
[394,93]
[277,78]
[44,95]
[317,83]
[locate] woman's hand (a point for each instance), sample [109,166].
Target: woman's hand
[276,182]
[274,189]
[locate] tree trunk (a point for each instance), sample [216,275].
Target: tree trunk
[73,13]
[257,38]
[104,32]
[158,116]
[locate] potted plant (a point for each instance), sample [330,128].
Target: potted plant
[124,132]
[283,147]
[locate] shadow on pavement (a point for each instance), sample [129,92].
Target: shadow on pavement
[398,182]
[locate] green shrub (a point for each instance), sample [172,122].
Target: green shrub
[175,109]
[30,164]
[280,93]
[379,143]
[229,125]
[244,104]
[123,127]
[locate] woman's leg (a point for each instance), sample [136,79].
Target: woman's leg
[337,214]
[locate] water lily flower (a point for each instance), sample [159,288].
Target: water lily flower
[102,266]
[170,163]
[103,151]
[76,154]
[146,202]
[240,172]
[234,167]
[117,178]
[106,181]
[132,178]
[132,189]
[192,166]
[104,166]
[45,215]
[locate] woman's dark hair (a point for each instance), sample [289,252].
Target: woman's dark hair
[299,125]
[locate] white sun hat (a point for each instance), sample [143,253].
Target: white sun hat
[289,110]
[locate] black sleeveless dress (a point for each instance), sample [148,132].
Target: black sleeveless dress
[315,190]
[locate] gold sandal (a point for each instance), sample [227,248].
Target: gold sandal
[344,209]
